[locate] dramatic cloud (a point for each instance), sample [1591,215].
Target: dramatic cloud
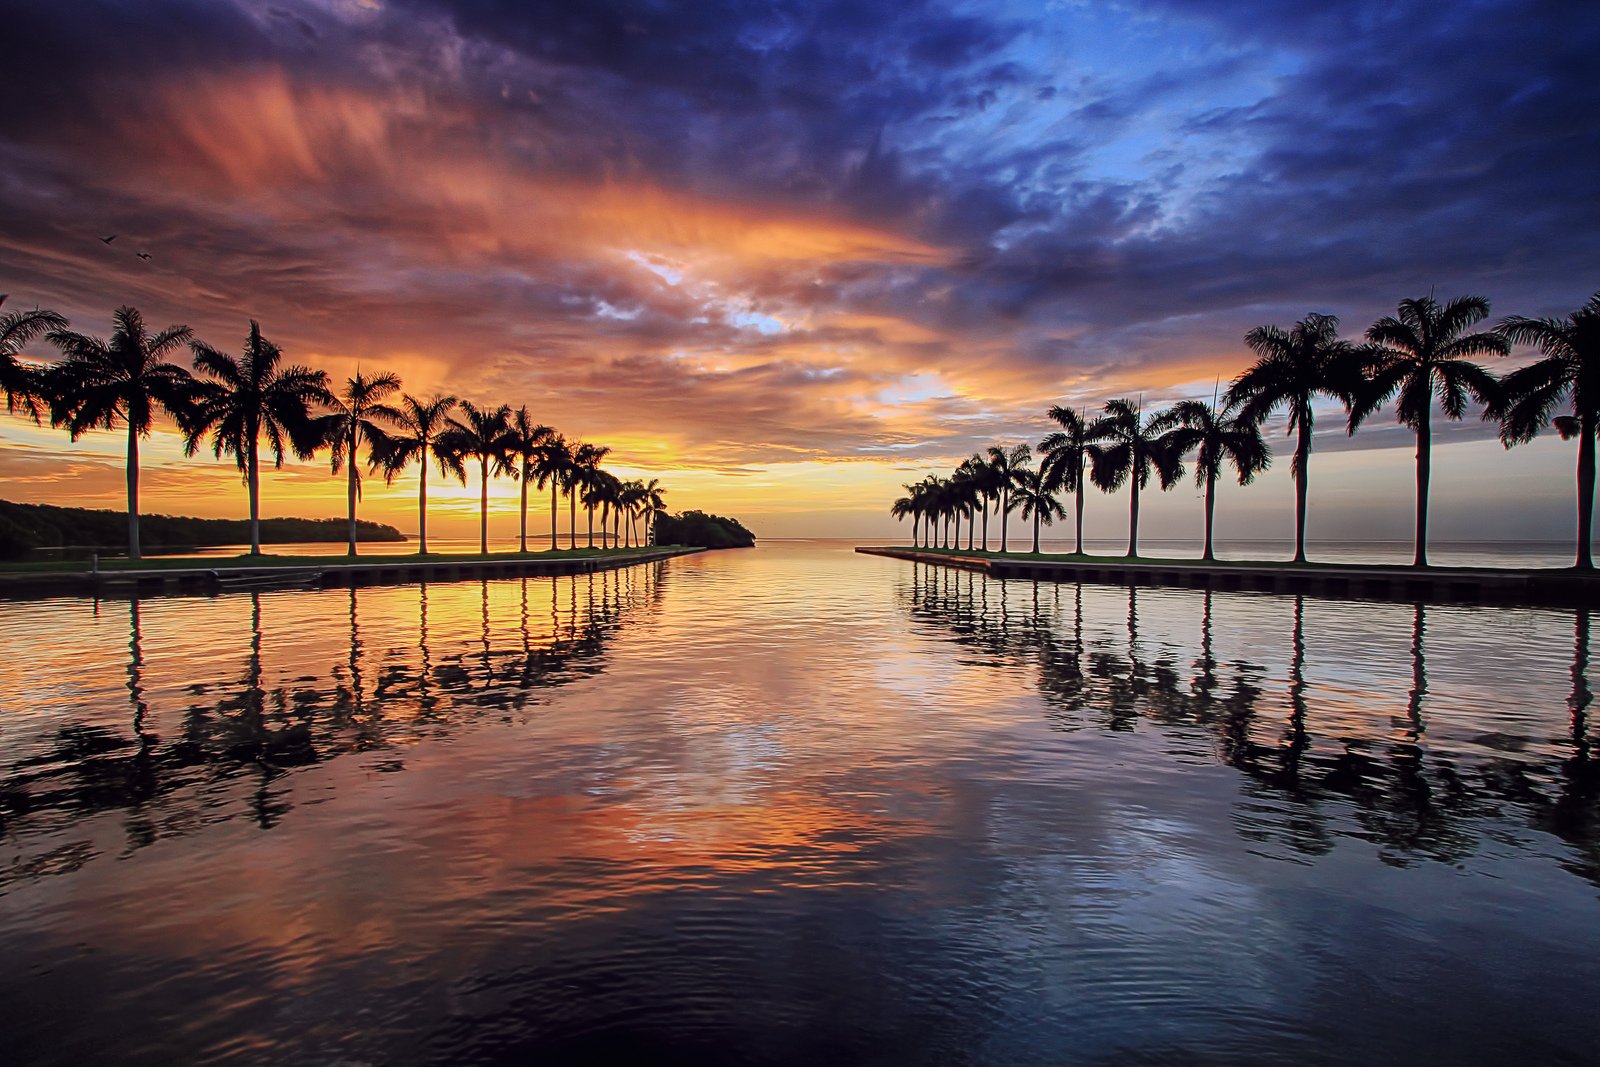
[727,236]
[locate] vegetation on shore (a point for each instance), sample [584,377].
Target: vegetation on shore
[700,530]
[295,562]
[27,527]
[1416,359]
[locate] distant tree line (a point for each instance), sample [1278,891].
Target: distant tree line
[243,404]
[1413,359]
[26,527]
[703,531]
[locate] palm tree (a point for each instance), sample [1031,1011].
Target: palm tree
[1065,453]
[1004,464]
[906,505]
[587,460]
[607,490]
[1409,355]
[101,384]
[357,415]
[1031,495]
[24,383]
[1293,369]
[967,495]
[484,434]
[1134,445]
[421,424]
[527,448]
[1218,437]
[238,400]
[1569,371]
[551,467]
[651,505]
[632,498]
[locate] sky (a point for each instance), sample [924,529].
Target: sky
[789,256]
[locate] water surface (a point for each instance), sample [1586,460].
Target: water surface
[795,805]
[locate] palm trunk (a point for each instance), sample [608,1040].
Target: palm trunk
[986,526]
[1005,512]
[522,531]
[422,502]
[1586,438]
[572,516]
[553,514]
[590,509]
[1424,470]
[133,492]
[1036,532]
[1133,517]
[1080,506]
[972,526]
[252,474]
[350,492]
[1211,506]
[1302,457]
[483,505]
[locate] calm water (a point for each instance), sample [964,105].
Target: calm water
[795,805]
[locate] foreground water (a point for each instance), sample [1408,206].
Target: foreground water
[795,805]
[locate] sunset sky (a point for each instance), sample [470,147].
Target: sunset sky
[788,256]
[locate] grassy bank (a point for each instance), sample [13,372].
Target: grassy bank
[1192,562]
[291,562]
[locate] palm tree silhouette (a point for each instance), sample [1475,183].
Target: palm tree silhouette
[1218,437]
[1065,453]
[238,400]
[631,499]
[1032,496]
[1570,370]
[651,505]
[606,489]
[1005,463]
[484,434]
[551,467]
[101,384]
[1294,368]
[906,505]
[1409,355]
[24,383]
[1134,445]
[587,460]
[967,494]
[421,423]
[358,414]
[527,447]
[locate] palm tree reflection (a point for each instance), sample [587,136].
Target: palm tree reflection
[235,745]
[1319,776]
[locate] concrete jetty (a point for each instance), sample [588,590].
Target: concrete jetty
[222,575]
[1486,585]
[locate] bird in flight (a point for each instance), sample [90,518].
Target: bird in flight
[108,240]
[142,255]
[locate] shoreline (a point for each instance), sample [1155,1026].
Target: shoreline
[242,573]
[1532,586]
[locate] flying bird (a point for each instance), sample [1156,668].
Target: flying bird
[108,240]
[142,255]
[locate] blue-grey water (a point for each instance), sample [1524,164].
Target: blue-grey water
[795,805]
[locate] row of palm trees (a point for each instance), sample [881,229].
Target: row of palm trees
[240,402]
[1414,359]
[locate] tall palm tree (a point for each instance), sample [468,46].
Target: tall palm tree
[632,498]
[238,400]
[597,496]
[1217,438]
[1065,453]
[1293,368]
[359,414]
[585,460]
[1569,371]
[527,448]
[24,383]
[607,489]
[121,382]
[1409,354]
[966,497]
[907,506]
[652,505]
[588,458]
[1032,496]
[554,458]
[483,434]
[1005,463]
[1135,444]
[420,424]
